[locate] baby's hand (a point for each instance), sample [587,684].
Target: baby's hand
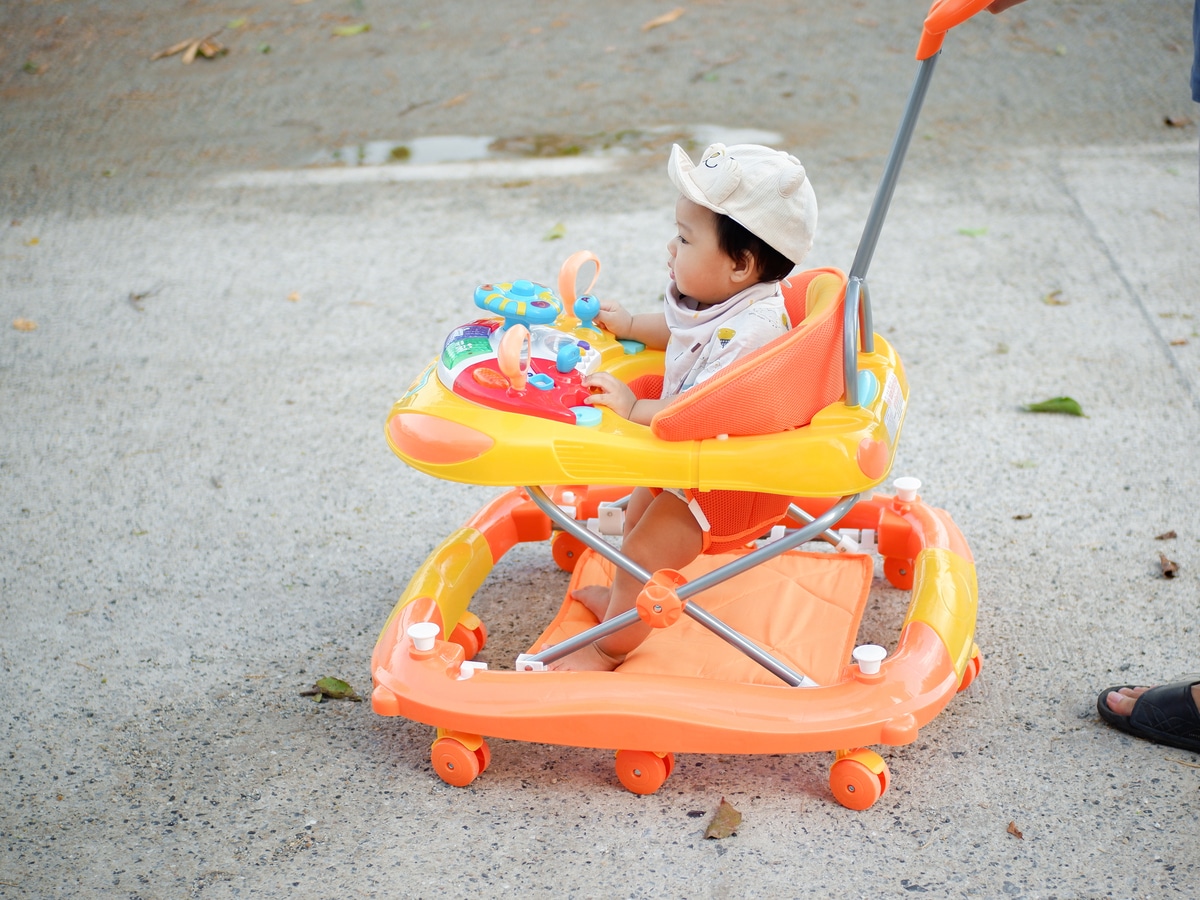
[612,392]
[614,317]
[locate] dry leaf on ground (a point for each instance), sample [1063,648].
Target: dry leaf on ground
[193,47]
[1166,536]
[725,822]
[664,19]
[1054,298]
[1015,831]
[1169,567]
[24,324]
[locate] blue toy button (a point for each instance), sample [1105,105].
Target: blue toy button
[567,358]
[868,387]
[587,416]
[541,381]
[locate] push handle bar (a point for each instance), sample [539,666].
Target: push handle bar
[944,15]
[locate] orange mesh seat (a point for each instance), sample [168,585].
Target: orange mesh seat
[803,608]
[778,387]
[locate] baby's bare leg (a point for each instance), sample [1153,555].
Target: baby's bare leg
[665,535]
[594,597]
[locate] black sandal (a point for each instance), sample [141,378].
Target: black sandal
[1165,714]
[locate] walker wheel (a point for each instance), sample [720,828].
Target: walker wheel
[643,772]
[484,755]
[971,672]
[457,765]
[899,572]
[859,778]
[470,634]
[566,549]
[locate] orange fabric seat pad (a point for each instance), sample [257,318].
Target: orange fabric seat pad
[803,608]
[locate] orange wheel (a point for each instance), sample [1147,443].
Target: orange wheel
[471,638]
[854,785]
[669,759]
[899,572]
[566,549]
[454,763]
[885,779]
[641,771]
[484,755]
[971,672]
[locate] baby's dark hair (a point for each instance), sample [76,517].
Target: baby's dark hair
[735,241]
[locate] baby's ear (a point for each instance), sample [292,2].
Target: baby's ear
[745,268]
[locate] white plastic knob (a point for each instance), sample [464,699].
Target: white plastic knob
[423,634]
[906,488]
[868,657]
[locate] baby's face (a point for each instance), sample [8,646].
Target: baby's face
[697,264]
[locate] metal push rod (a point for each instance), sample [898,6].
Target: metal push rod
[856,288]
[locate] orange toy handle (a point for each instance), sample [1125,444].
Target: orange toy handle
[944,15]
[569,273]
[508,355]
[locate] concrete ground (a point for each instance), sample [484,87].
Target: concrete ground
[199,515]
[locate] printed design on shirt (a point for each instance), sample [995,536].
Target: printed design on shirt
[725,335]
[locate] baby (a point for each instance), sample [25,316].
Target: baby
[745,217]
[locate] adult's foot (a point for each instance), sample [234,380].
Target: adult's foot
[1168,714]
[1122,700]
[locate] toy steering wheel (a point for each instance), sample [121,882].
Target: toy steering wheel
[520,302]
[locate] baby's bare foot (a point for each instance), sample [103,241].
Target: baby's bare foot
[594,598]
[586,659]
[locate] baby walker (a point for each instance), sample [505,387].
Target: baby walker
[752,648]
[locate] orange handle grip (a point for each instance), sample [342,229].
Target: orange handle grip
[568,274]
[508,355]
[944,15]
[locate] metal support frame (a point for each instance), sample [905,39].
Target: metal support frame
[816,528]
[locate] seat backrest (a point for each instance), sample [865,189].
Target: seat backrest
[781,385]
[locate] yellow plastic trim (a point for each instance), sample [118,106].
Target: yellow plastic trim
[945,597]
[471,741]
[867,757]
[451,575]
[818,460]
